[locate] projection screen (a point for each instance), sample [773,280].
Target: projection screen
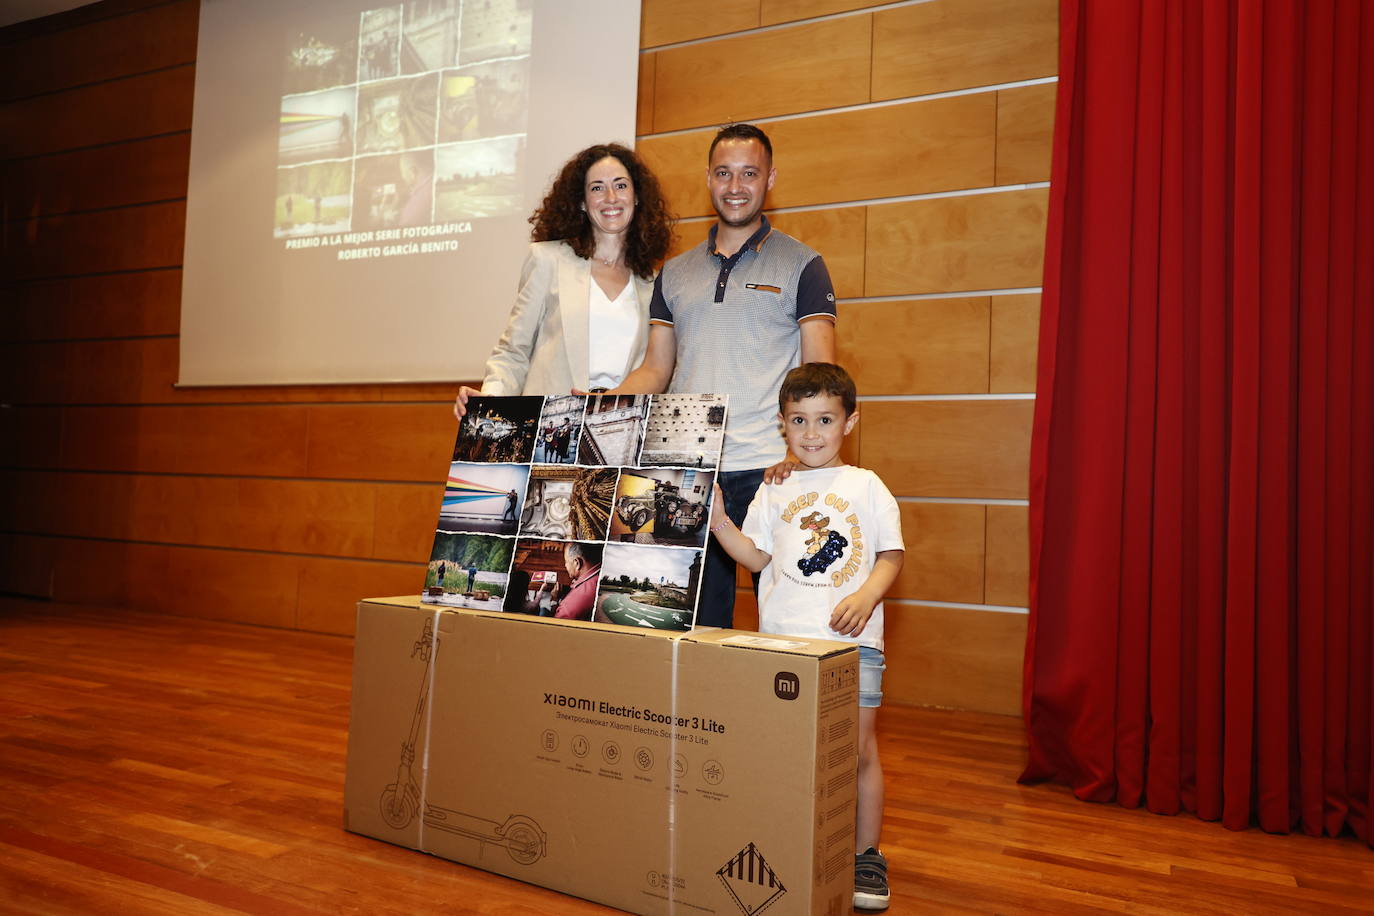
[361,176]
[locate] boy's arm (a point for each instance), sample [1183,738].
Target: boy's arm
[736,543]
[851,614]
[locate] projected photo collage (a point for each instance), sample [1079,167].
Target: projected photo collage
[590,507]
[408,114]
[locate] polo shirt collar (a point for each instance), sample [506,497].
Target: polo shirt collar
[755,241]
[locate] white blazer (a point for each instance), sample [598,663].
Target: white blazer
[545,345]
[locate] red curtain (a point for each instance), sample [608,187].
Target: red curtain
[1201,506]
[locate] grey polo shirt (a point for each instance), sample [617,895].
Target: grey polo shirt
[738,326]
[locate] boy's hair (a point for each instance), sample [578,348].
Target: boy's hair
[811,379]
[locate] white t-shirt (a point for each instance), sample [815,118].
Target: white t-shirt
[613,326]
[823,529]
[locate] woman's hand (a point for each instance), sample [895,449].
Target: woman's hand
[460,403]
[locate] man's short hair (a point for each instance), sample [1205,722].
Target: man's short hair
[591,553]
[740,132]
[811,379]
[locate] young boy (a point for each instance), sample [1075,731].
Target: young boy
[828,541]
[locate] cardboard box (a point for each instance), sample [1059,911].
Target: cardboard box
[659,772]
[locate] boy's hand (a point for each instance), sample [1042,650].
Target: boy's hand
[717,504]
[851,615]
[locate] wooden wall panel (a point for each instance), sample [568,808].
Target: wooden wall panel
[944,345]
[688,234]
[943,145]
[838,234]
[393,442]
[125,109]
[1008,569]
[138,370]
[268,441]
[405,521]
[26,565]
[32,436]
[73,18]
[664,22]
[944,553]
[679,163]
[1015,339]
[326,394]
[958,44]
[150,170]
[329,590]
[951,244]
[110,371]
[105,49]
[411,442]
[644,103]
[777,11]
[110,305]
[746,610]
[978,449]
[277,590]
[129,238]
[260,588]
[357,519]
[1025,133]
[775,72]
[954,657]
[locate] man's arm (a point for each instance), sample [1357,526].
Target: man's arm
[656,371]
[816,312]
[851,614]
[818,340]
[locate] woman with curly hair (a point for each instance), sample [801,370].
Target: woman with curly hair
[581,317]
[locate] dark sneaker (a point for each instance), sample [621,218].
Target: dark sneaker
[870,880]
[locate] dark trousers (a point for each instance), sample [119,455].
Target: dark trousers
[716,605]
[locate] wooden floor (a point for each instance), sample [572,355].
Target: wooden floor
[158,765]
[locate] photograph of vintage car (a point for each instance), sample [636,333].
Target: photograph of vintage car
[668,506]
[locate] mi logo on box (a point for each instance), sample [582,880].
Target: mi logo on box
[786,685]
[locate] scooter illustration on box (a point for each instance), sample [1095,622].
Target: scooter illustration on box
[521,836]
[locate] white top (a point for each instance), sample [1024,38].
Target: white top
[613,326]
[823,529]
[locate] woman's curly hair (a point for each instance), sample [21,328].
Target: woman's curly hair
[561,217]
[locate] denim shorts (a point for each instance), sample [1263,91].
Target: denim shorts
[871,668]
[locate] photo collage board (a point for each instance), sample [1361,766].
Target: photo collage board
[543,492]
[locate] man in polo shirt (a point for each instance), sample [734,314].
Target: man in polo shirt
[732,316]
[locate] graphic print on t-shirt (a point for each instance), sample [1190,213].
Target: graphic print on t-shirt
[823,547]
